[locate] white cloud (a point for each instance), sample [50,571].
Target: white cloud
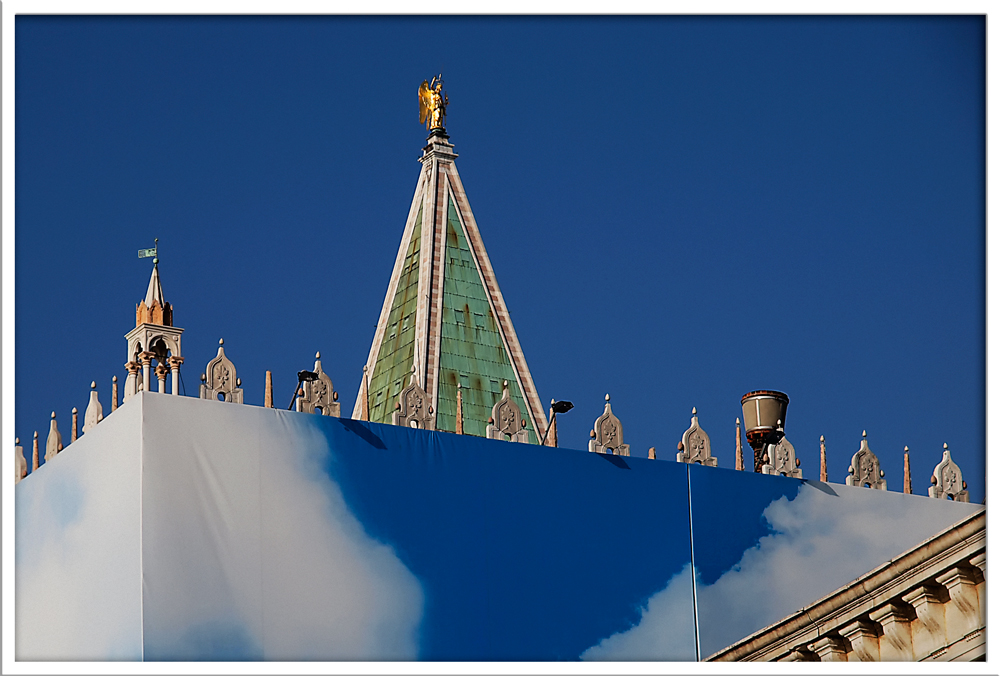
[250,550]
[664,632]
[77,550]
[246,548]
[333,592]
[820,542]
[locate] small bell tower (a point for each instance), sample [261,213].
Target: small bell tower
[154,339]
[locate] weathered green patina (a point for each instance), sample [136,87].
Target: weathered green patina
[472,349]
[395,356]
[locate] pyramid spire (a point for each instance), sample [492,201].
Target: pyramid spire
[444,311]
[153,309]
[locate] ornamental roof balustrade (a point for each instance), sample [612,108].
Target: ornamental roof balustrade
[219,381]
[414,408]
[946,482]
[607,435]
[781,459]
[505,420]
[864,470]
[695,446]
[318,395]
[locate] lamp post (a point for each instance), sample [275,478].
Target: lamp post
[764,412]
[554,408]
[304,376]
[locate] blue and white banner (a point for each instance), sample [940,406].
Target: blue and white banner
[187,529]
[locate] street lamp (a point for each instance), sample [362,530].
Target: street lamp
[554,408]
[304,377]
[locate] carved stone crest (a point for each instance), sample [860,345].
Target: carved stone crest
[946,482]
[505,420]
[864,470]
[414,408]
[319,394]
[696,447]
[607,435]
[219,381]
[781,458]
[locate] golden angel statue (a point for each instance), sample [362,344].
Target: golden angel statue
[432,103]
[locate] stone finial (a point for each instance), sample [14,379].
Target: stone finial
[413,409]
[695,445]
[907,479]
[95,412]
[365,415]
[219,379]
[652,453]
[822,458]
[53,444]
[34,452]
[552,435]
[20,464]
[864,470]
[739,447]
[946,481]
[781,458]
[268,390]
[73,434]
[608,436]
[459,423]
[319,395]
[114,393]
[505,420]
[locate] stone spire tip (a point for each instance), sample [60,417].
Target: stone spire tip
[694,410]
[607,397]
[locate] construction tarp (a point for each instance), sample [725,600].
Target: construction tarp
[188,529]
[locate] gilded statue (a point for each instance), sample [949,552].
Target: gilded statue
[432,103]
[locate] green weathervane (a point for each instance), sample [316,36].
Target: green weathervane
[150,253]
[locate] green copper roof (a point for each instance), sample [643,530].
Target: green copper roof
[471,347]
[395,356]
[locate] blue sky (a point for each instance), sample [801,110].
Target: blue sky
[678,209]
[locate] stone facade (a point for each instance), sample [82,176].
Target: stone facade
[927,604]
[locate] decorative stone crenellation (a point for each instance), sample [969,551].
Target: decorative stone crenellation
[946,482]
[413,408]
[864,470]
[608,436]
[695,446]
[822,458]
[20,463]
[505,420]
[53,443]
[781,459]
[318,396]
[739,447]
[95,412]
[219,382]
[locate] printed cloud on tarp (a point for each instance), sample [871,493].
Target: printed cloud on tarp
[286,574]
[821,540]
